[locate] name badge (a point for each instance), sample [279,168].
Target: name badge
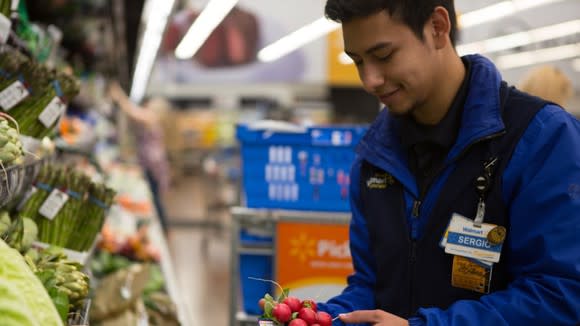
[471,274]
[463,238]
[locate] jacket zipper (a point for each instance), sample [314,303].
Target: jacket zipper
[416,213]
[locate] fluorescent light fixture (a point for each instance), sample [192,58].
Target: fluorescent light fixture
[155,17]
[521,38]
[322,26]
[576,64]
[499,10]
[528,58]
[344,59]
[297,39]
[211,16]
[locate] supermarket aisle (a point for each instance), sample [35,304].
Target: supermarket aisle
[200,252]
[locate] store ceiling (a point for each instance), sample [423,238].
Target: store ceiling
[73,16]
[546,15]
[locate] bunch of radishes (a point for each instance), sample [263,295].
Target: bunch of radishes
[288,310]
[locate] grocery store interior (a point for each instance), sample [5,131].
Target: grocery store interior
[164,159]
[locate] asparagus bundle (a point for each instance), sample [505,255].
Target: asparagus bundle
[98,202]
[76,223]
[53,96]
[12,63]
[44,223]
[48,90]
[43,186]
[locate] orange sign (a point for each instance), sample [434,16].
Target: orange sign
[312,260]
[341,71]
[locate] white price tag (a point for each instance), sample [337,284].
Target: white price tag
[53,204]
[5,26]
[52,112]
[12,95]
[26,197]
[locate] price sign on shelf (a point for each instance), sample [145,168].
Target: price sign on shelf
[52,112]
[12,95]
[53,204]
[5,26]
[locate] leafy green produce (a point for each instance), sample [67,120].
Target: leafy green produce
[30,293]
[4,222]
[156,280]
[104,263]
[13,309]
[11,150]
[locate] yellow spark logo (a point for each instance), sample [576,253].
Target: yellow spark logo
[303,247]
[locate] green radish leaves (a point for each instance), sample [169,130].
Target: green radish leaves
[285,293]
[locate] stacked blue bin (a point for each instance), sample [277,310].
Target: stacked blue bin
[305,170]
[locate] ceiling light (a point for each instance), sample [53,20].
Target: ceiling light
[538,56]
[297,39]
[211,16]
[499,10]
[322,26]
[155,17]
[521,38]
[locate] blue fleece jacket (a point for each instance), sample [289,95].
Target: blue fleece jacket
[540,187]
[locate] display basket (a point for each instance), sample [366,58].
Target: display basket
[301,169]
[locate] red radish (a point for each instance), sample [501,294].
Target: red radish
[261,303]
[298,322]
[294,303]
[310,304]
[308,315]
[282,312]
[315,325]
[323,318]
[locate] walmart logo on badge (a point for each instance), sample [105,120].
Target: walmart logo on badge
[380,181]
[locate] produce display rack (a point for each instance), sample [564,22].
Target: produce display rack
[264,221]
[18,178]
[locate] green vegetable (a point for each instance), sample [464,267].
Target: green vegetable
[61,302]
[4,222]
[156,280]
[29,294]
[56,272]
[30,234]
[13,309]
[79,221]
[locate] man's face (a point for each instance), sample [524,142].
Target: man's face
[392,62]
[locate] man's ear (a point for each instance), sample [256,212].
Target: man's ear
[440,27]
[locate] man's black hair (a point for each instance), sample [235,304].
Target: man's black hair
[413,13]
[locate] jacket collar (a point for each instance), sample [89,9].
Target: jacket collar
[381,144]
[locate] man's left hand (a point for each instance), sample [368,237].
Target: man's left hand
[373,317]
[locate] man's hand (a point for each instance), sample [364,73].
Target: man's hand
[373,317]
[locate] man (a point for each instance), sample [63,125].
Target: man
[455,150]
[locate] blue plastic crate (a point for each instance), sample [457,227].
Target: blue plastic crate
[307,170]
[249,237]
[258,266]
